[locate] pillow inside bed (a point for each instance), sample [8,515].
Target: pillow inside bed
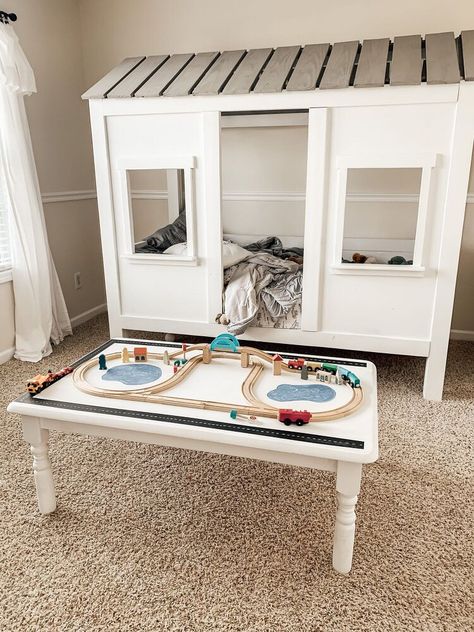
[231,253]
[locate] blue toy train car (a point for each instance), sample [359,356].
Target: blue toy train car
[350,377]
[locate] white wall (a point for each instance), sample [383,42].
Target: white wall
[113,29]
[50,35]
[6,321]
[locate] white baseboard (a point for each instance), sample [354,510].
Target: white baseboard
[461,334]
[87,315]
[6,355]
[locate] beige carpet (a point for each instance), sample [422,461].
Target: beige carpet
[149,538]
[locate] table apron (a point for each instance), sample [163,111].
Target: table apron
[123,434]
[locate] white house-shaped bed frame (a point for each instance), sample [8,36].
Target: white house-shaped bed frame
[379,104]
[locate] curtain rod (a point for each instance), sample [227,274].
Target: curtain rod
[5,17]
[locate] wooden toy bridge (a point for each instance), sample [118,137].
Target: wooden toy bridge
[439,58]
[153,394]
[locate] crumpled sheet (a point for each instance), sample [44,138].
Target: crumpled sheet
[274,246]
[261,280]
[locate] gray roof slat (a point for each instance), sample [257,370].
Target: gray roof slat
[442,64]
[160,80]
[191,75]
[219,72]
[308,67]
[467,39]
[440,58]
[340,64]
[138,76]
[247,71]
[372,63]
[100,89]
[406,64]
[276,71]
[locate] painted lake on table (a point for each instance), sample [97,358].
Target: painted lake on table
[302,392]
[133,374]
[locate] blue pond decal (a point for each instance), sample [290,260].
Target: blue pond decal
[302,392]
[133,374]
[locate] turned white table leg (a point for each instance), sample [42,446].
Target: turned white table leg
[37,437]
[347,487]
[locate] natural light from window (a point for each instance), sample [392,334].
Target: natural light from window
[5,251]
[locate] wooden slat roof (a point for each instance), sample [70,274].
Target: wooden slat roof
[439,58]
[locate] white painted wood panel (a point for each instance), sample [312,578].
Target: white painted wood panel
[392,305]
[152,285]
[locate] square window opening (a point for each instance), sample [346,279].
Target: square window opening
[381,210]
[158,211]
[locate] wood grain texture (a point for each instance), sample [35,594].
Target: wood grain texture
[308,67]
[159,81]
[219,72]
[467,39]
[442,65]
[372,63]
[406,64]
[339,68]
[191,75]
[247,71]
[100,89]
[276,72]
[128,85]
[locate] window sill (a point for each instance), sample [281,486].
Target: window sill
[166,260]
[377,269]
[6,276]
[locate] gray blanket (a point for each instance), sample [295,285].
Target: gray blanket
[165,237]
[274,246]
[261,279]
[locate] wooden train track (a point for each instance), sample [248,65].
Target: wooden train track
[255,408]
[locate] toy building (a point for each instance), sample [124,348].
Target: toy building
[140,354]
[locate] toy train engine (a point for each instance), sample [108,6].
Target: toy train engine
[298,417]
[296,364]
[40,382]
[349,377]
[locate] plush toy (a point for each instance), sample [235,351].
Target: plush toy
[222,319]
[400,261]
[358,258]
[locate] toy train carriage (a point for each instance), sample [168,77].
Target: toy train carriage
[300,363]
[180,362]
[40,382]
[312,366]
[298,417]
[349,377]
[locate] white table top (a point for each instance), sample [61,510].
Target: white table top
[352,438]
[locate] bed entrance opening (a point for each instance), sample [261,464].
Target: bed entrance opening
[263,163]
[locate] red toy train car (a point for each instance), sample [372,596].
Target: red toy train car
[296,364]
[298,417]
[39,382]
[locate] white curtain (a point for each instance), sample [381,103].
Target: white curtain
[40,310]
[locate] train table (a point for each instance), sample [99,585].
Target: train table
[223,397]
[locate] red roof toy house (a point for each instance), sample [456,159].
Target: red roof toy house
[140,354]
